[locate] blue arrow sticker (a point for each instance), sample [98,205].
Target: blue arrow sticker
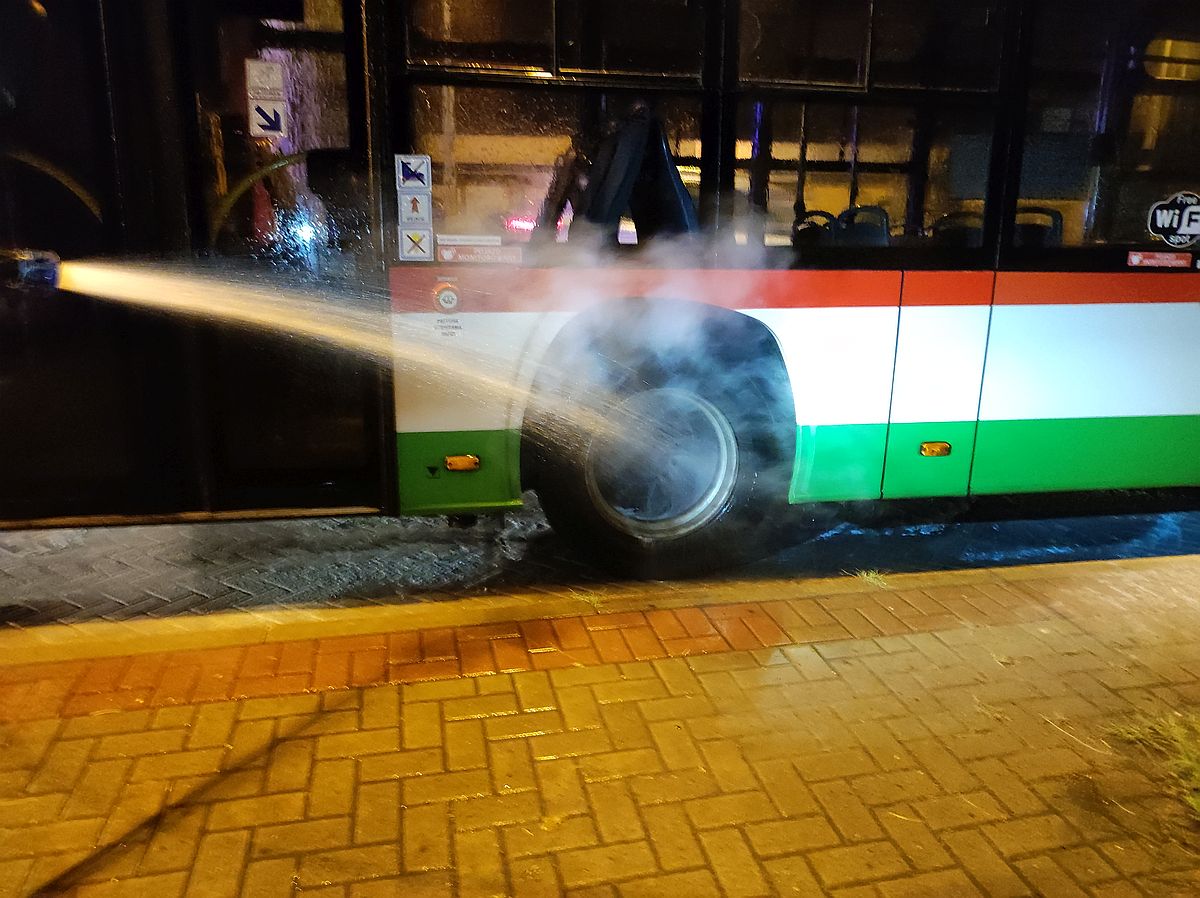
[269,122]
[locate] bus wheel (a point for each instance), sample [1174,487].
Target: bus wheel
[665,471]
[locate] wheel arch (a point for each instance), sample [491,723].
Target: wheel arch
[633,329]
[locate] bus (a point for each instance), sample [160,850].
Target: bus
[946,251]
[676,266]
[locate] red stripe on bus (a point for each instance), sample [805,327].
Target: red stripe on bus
[505,289]
[1024,288]
[947,288]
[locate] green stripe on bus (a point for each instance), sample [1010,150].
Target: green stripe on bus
[1086,453]
[908,474]
[426,487]
[836,463]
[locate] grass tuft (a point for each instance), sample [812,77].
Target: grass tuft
[873,577]
[1176,739]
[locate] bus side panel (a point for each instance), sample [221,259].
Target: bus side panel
[463,373]
[935,393]
[840,361]
[1092,382]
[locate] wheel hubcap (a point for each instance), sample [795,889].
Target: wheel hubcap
[665,467]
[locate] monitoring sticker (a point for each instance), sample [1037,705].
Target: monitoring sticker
[1176,220]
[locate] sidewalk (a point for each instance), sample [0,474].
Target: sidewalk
[944,734]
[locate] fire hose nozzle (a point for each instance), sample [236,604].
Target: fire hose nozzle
[28,268]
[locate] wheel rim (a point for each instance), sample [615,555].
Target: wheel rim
[666,466]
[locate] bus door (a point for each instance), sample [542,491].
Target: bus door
[935,390]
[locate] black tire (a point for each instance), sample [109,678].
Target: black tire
[668,460]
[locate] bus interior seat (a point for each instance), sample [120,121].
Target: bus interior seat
[958,229]
[815,228]
[864,226]
[1045,233]
[634,171]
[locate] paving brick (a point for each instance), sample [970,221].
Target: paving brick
[523,725]
[671,835]
[421,725]
[19,812]
[619,764]
[290,765]
[901,785]
[779,837]
[401,764]
[219,864]
[61,766]
[479,864]
[356,745]
[983,863]
[177,764]
[699,883]
[579,708]
[332,791]
[426,837]
[550,834]
[673,786]
[615,813]
[447,786]
[569,745]
[960,810]
[297,838]
[915,840]
[946,884]
[591,866]
[675,746]
[731,860]
[1031,835]
[1049,879]
[381,708]
[736,809]
[835,765]
[174,842]
[511,766]
[465,748]
[857,863]
[271,878]
[248,812]
[348,865]
[626,726]
[850,816]
[496,810]
[1007,787]
[377,813]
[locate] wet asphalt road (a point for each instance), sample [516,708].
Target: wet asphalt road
[120,573]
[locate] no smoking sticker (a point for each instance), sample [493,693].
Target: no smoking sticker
[416,244]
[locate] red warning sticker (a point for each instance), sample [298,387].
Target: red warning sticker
[490,255]
[1138,259]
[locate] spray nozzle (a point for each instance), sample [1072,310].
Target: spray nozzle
[28,268]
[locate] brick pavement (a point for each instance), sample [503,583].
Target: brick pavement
[943,735]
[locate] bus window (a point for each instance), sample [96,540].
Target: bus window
[1112,122]
[935,43]
[495,33]
[499,154]
[843,175]
[641,36]
[805,41]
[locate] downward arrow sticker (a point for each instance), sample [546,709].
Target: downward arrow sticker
[271,123]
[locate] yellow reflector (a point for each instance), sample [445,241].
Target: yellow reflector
[935,449]
[462,462]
